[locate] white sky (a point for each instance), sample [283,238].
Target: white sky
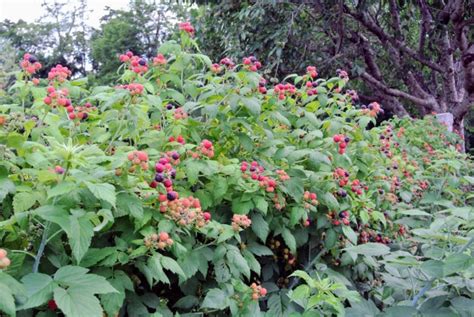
[31,10]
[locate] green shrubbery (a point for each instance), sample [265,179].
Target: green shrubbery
[200,189]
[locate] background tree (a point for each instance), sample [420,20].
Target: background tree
[415,57]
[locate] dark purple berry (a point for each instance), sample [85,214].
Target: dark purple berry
[142,62]
[159,177]
[32,59]
[175,155]
[171,196]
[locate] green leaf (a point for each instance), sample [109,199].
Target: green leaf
[458,262]
[295,188]
[75,302]
[156,269]
[329,200]
[261,203]
[235,259]
[260,227]
[434,268]
[128,204]
[252,104]
[289,239]
[350,234]
[80,236]
[370,249]
[103,191]
[61,189]
[76,276]
[7,302]
[39,289]
[23,201]
[170,264]
[215,299]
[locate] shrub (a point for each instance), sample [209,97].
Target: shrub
[195,187]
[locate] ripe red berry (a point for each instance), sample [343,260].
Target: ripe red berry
[337,138]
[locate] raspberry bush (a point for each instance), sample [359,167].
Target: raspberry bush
[200,188]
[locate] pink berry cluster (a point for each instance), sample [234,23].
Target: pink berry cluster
[179,139]
[240,222]
[138,158]
[311,88]
[342,140]
[310,199]
[80,112]
[261,86]
[158,241]
[57,97]
[342,176]
[227,62]
[159,59]
[282,175]
[185,211]
[373,109]
[179,113]
[257,291]
[165,172]
[59,73]
[357,187]
[136,63]
[30,64]
[337,219]
[279,201]
[216,68]
[352,94]
[134,88]
[255,172]
[342,74]
[187,27]
[4,260]
[283,90]
[251,63]
[312,72]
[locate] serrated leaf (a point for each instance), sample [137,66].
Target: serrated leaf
[370,249]
[350,234]
[23,201]
[289,239]
[215,299]
[170,264]
[260,227]
[39,289]
[103,191]
[7,302]
[80,236]
[74,302]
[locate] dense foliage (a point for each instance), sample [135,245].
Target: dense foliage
[195,188]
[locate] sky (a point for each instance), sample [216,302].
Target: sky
[31,10]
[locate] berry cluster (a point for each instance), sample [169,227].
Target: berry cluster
[311,85]
[187,27]
[4,260]
[178,139]
[206,148]
[136,63]
[59,73]
[159,59]
[353,95]
[165,172]
[310,199]
[342,140]
[179,114]
[227,62]
[80,112]
[284,90]
[216,68]
[257,291]
[337,219]
[251,63]
[279,201]
[255,172]
[342,176]
[342,74]
[261,86]
[158,241]
[372,109]
[372,236]
[185,211]
[134,88]
[240,222]
[30,64]
[357,187]
[57,97]
[311,71]
[385,140]
[282,175]
[138,158]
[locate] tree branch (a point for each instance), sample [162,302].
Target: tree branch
[427,103]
